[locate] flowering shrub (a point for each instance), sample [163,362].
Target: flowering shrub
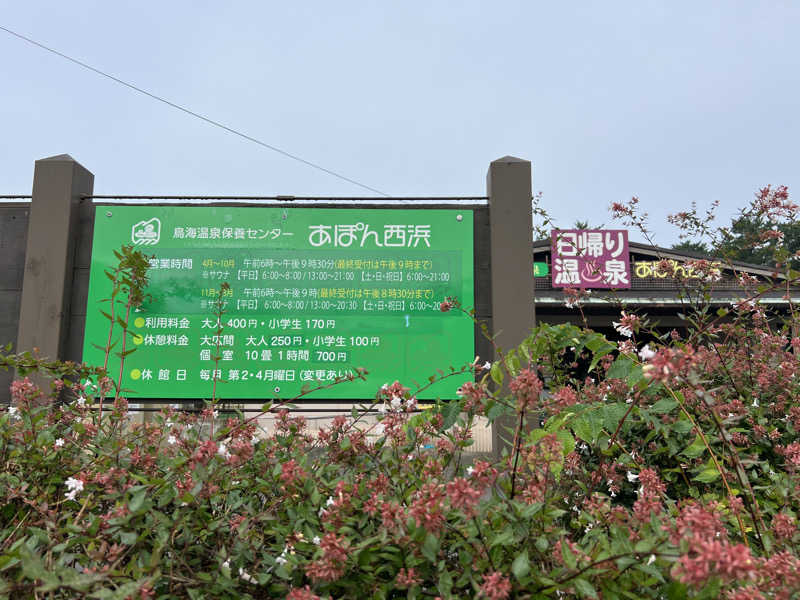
[671,471]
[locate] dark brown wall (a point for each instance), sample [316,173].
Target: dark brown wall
[13,239]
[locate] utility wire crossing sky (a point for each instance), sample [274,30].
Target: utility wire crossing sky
[193,113]
[673,102]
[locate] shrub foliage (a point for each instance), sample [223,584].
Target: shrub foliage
[666,469]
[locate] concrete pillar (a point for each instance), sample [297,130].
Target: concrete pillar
[508,186]
[58,184]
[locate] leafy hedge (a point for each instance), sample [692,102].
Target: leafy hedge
[668,469]
[669,477]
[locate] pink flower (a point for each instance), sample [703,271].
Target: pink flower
[784,526]
[303,593]
[573,297]
[462,495]
[745,593]
[392,516]
[651,483]
[791,453]
[495,586]
[407,578]
[474,394]
[565,397]
[695,520]
[331,565]
[427,507]
[526,386]
[709,558]
[292,473]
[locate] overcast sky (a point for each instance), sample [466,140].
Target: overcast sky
[671,101]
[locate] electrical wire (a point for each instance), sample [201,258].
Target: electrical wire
[194,114]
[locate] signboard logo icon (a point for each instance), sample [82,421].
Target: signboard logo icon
[146,233]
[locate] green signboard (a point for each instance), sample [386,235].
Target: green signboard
[314,294]
[541,269]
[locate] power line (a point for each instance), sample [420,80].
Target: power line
[194,114]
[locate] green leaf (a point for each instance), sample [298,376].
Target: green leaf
[677,591]
[567,441]
[620,368]
[597,342]
[568,556]
[126,590]
[696,448]
[584,588]
[45,438]
[521,566]
[450,413]
[582,429]
[7,561]
[497,373]
[445,583]
[505,538]
[636,375]
[128,537]
[663,406]
[589,425]
[707,475]
[613,414]
[530,510]
[495,411]
[137,500]
[651,570]
[430,547]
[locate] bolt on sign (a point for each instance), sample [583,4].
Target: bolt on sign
[314,294]
[590,258]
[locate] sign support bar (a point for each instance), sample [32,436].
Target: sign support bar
[508,186]
[59,182]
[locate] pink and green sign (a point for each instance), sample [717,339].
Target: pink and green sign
[590,258]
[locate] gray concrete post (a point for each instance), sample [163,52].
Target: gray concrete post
[58,184]
[508,186]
